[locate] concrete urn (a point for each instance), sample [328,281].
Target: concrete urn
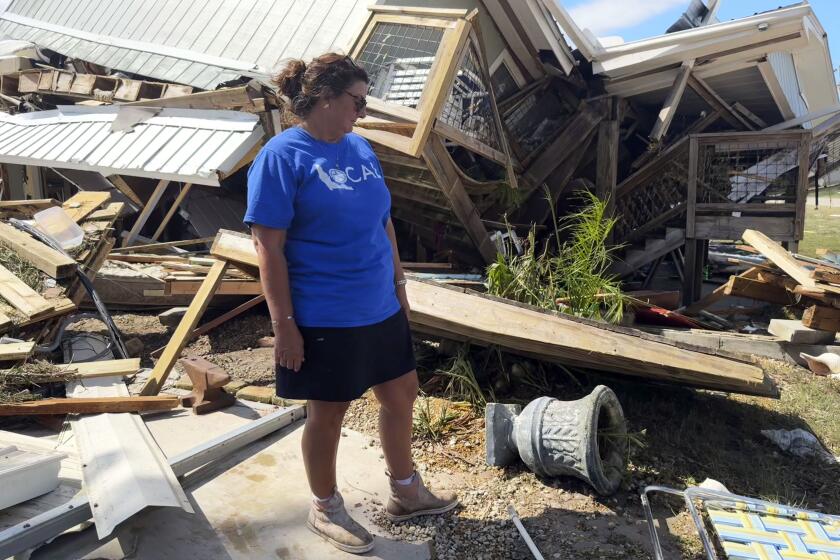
[586,438]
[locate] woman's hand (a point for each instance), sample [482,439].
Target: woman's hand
[402,296]
[288,346]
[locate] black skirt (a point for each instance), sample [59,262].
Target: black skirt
[341,363]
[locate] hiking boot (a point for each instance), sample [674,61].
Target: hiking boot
[332,522]
[414,500]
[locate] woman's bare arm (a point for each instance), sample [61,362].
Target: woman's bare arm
[274,278]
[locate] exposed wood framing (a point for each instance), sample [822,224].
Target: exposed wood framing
[147,211]
[716,102]
[172,209]
[669,107]
[443,168]
[606,170]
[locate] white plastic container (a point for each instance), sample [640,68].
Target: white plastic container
[27,474]
[55,222]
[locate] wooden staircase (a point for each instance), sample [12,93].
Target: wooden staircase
[651,247]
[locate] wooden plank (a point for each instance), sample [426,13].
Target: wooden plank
[822,318]
[797,333]
[13,351]
[781,228]
[527,330]
[802,186]
[94,405]
[761,291]
[81,204]
[190,286]
[104,368]
[45,259]
[172,209]
[181,335]
[672,102]
[146,212]
[781,258]
[227,98]
[146,259]
[21,296]
[606,163]
[152,247]
[40,204]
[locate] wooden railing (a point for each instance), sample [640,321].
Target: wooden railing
[718,185]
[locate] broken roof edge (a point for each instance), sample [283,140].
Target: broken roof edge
[222,119]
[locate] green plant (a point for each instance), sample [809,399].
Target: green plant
[574,277]
[432,422]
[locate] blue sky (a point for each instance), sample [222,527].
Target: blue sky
[637,19]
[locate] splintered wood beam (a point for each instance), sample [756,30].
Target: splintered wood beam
[672,102]
[715,101]
[42,257]
[443,169]
[147,211]
[758,290]
[94,405]
[172,209]
[606,164]
[185,328]
[717,294]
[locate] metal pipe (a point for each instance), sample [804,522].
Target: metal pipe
[525,536]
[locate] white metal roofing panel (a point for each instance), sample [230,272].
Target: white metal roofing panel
[189,145]
[785,69]
[124,470]
[186,41]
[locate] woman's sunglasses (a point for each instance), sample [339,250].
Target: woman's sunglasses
[360,101]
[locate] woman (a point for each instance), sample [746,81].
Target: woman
[319,213]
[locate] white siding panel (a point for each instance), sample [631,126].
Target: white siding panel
[785,70]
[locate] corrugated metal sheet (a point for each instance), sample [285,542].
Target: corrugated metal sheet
[124,470]
[785,69]
[198,42]
[177,144]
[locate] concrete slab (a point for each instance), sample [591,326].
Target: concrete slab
[252,505]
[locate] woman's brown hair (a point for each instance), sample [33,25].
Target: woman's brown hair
[326,77]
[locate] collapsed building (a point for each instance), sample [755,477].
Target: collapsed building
[475,109]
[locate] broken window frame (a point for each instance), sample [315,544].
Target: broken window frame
[460,34]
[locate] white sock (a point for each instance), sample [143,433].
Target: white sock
[406,481]
[322,501]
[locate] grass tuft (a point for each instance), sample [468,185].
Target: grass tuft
[432,418]
[18,383]
[574,277]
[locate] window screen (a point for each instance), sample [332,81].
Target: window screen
[398,58]
[469,107]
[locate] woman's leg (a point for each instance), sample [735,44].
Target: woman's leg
[321,434]
[409,495]
[396,399]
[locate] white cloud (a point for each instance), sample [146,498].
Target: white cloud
[605,16]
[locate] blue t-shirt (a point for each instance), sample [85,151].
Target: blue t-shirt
[332,201]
